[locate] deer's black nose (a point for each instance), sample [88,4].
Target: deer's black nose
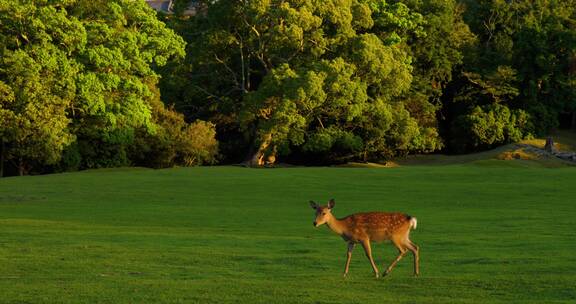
[314,223]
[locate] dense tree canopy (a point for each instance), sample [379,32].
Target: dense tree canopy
[86,83]
[374,78]
[524,62]
[77,77]
[336,79]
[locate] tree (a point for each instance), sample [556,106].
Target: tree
[434,35]
[37,85]
[522,60]
[115,87]
[174,141]
[78,71]
[334,77]
[488,126]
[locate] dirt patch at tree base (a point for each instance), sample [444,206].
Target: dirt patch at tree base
[530,152]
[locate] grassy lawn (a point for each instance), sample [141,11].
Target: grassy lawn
[489,233]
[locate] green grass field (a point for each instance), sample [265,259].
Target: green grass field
[488,232]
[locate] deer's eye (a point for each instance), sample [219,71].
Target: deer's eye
[323,213]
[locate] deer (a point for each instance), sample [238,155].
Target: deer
[368,227]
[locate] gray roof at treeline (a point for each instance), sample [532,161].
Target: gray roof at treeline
[166,6]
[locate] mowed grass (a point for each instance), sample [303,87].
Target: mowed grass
[488,234]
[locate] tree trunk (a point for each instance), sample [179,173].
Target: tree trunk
[271,157]
[257,160]
[549,146]
[21,167]
[573,120]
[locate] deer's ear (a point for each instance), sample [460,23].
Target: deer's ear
[331,203]
[313,205]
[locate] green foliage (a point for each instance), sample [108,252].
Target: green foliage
[174,141]
[78,70]
[37,88]
[71,159]
[298,75]
[396,20]
[490,125]
[435,40]
[115,86]
[332,80]
[537,41]
[199,144]
[325,140]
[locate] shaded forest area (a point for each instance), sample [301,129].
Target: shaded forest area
[91,84]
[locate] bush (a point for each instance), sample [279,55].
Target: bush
[199,145]
[71,159]
[175,142]
[333,140]
[487,126]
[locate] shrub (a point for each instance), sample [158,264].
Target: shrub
[487,126]
[198,144]
[174,142]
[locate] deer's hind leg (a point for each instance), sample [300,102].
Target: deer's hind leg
[403,245]
[416,253]
[402,252]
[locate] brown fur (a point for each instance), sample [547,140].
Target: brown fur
[364,228]
[375,226]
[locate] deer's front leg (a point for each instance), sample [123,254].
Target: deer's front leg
[348,257]
[368,251]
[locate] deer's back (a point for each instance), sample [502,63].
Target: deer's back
[376,226]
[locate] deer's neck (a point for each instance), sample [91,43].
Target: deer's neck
[336,225]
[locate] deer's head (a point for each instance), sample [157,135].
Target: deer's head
[323,213]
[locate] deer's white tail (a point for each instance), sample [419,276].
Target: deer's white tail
[413,223]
